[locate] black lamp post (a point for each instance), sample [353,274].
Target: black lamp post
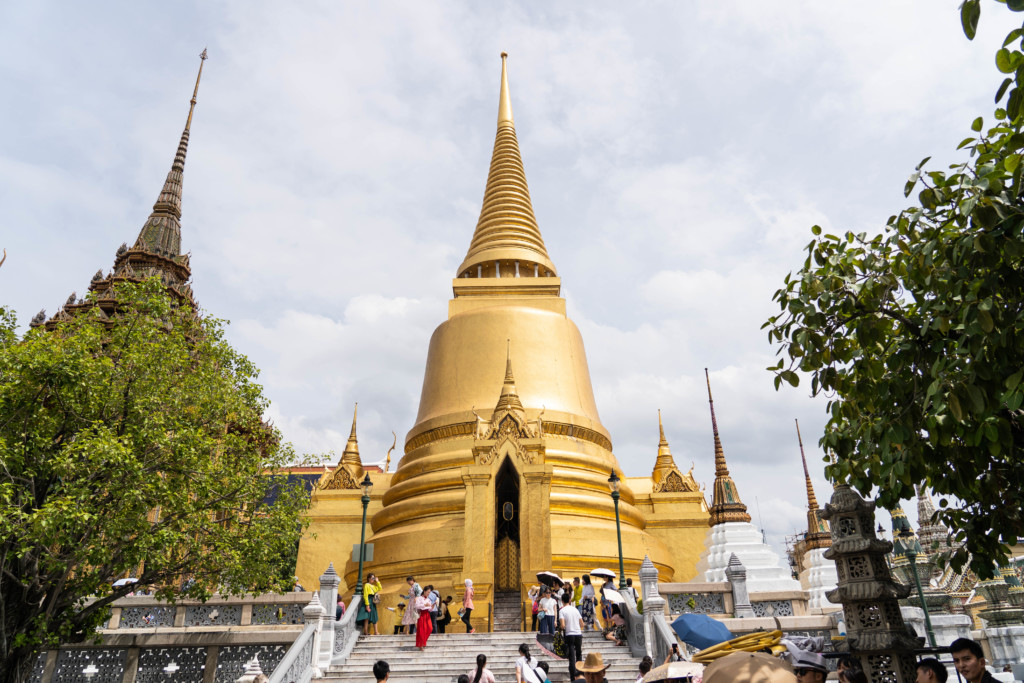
[911,553]
[614,483]
[367,486]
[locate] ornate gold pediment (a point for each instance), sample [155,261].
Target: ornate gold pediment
[676,482]
[339,479]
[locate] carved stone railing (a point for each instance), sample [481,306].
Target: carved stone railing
[700,598]
[346,633]
[658,635]
[311,653]
[636,636]
[297,664]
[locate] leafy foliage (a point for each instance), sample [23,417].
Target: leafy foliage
[916,335]
[131,447]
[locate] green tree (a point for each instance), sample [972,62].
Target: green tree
[131,447]
[916,335]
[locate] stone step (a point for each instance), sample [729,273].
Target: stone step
[448,655]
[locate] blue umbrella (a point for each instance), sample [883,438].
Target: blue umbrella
[700,630]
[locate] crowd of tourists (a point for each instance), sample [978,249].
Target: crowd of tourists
[423,611]
[528,670]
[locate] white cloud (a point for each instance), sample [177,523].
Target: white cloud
[677,157]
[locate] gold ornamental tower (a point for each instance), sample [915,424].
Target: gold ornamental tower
[505,472]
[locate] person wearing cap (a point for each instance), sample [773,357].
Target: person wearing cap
[593,669]
[809,667]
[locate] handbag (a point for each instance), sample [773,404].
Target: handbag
[376,598]
[462,610]
[559,647]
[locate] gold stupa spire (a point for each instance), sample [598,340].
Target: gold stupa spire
[726,505]
[506,232]
[666,477]
[351,454]
[818,534]
[665,462]
[161,233]
[509,399]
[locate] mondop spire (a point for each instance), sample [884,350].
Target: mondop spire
[507,241]
[156,252]
[818,534]
[726,505]
[161,233]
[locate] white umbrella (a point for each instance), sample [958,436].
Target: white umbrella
[607,573]
[612,596]
[124,582]
[547,578]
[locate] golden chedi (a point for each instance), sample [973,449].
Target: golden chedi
[505,472]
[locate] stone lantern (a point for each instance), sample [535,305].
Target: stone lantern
[870,597]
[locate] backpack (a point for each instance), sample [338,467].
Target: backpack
[536,607]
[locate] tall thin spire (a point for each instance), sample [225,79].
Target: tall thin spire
[351,454]
[818,534]
[726,505]
[161,233]
[507,231]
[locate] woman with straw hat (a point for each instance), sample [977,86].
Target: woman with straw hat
[593,669]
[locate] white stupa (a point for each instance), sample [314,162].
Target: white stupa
[732,533]
[818,574]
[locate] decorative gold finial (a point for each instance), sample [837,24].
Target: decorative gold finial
[812,503]
[195,93]
[387,461]
[351,454]
[509,398]
[818,535]
[661,431]
[504,99]
[507,230]
[726,505]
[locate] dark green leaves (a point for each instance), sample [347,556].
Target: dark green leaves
[970,12]
[915,334]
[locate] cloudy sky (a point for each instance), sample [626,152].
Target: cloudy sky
[677,155]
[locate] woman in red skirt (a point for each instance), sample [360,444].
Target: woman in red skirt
[424,626]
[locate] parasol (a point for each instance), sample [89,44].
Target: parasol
[700,630]
[606,573]
[672,671]
[755,667]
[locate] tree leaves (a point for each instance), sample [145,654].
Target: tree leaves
[915,334]
[132,444]
[970,12]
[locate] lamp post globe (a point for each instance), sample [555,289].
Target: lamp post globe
[366,485]
[614,483]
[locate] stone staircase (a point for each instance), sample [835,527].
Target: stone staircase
[508,612]
[448,655]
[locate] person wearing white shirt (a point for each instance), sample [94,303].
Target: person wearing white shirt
[550,607]
[572,623]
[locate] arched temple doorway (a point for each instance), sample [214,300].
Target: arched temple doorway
[506,536]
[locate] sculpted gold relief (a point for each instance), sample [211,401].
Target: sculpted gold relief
[506,470]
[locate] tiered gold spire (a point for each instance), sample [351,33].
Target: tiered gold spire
[726,505]
[161,233]
[666,476]
[818,534]
[509,399]
[507,230]
[350,456]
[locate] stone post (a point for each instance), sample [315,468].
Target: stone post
[654,608]
[313,614]
[736,575]
[329,582]
[876,632]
